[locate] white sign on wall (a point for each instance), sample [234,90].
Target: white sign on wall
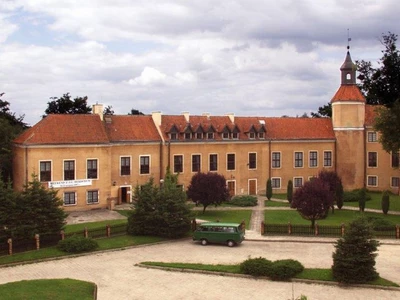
[70,183]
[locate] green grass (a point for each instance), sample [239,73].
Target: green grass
[279,196]
[272,203]
[125,212]
[310,274]
[234,216]
[339,217]
[43,289]
[104,244]
[375,202]
[80,227]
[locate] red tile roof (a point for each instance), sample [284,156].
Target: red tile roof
[349,92]
[370,114]
[65,129]
[131,128]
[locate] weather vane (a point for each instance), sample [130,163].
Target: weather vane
[348,39]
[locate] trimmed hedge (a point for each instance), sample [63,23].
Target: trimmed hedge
[354,196]
[77,244]
[278,270]
[243,201]
[256,266]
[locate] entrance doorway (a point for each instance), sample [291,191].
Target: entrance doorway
[125,194]
[232,188]
[252,186]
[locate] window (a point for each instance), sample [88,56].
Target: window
[92,169]
[276,183]
[395,159]
[213,162]
[261,135]
[178,163]
[196,163]
[125,166]
[276,159]
[225,135]
[372,137]
[210,135]
[92,197]
[395,182]
[235,135]
[230,161]
[313,159]
[45,171]
[199,135]
[327,158]
[188,136]
[252,135]
[298,182]
[69,170]
[372,181]
[298,159]
[173,136]
[69,198]
[145,164]
[252,160]
[372,159]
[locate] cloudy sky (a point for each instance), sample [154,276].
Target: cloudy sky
[249,57]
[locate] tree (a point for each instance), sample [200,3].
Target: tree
[37,210]
[334,183]
[362,198]
[8,207]
[135,112]
[108,110]
[208,188]
[323,111]
[387,122]
[65,105]
[385,202]
[10,127]
[313,200]
[290,191]
[354,257]
[160,211]
[269,189]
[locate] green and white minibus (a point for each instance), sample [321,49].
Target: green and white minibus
[230,234]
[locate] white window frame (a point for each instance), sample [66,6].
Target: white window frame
[130,165]
[183,163]
[63,167]
[272,183]
[234,161]
[374,137]
[98,168]
[51,169]
[272,159]
[302,159]
[248,156]
[294,182]
[328,166]
[209,162]
[140,164]
[87,197]
[309,159]
[75,196]
[191,166]
[372,176]
[376,153]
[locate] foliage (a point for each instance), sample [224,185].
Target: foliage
[285,269]
[65,105]
[354,257]
[362,199]
[290,191]
[385,202]
[387,122]
[269,189]
[243,201]
[10,127]
[323,111]
[208,188]
[135,112]
[380,224]
[160,211]
[256,266]
[108,110]
[77,244]
[335,185]
[354,196]
[381,85]
[313,200]
[34,210]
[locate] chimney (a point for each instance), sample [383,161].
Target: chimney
[186,115]
[97,109]
[206,114]
[231,117]
[156,116]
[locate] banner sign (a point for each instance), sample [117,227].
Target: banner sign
[70,183]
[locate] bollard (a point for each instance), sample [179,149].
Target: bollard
[37,240]
[9,241]
[62,233]
[289,228]
[342,229]
[86,233]
[108,230]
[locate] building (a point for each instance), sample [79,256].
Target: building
[94,159]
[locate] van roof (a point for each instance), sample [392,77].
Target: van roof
[219,224]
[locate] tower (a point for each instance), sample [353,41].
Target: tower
[348,118]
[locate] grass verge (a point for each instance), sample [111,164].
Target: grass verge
[272,203]
[93,225]
[234,216]
[43,289]
[310,274]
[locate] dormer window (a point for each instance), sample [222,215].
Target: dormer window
[173,136]
[225,135]
[210,135]
[235,135]
[252,135]
[261,135]
[199,135]
[188,136]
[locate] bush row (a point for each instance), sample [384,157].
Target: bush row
[77,244]
[354,196]
[278,270]
[243,201]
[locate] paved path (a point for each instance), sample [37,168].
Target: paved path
[118,278]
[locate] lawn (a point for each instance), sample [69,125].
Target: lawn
[339,217]
[234,216]
[93,225]
[375,202]
[272,203]
[310,274]
[43,289]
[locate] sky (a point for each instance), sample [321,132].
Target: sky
[247,57]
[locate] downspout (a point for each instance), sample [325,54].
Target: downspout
[269,159]
[26,166]
[161,161]
[365,158]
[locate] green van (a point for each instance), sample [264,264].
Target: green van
[230,234]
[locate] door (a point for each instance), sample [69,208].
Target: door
[125,194]
[232,188]
[252,186]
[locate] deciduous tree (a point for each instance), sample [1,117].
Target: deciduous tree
[65,105]
[334,183]
[208,188]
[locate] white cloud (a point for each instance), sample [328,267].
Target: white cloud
[149,76]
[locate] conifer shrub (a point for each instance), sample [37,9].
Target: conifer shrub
[244,201]
[269,189]
[385,202]
[290,191]
[259,266]
[284,269]
[77,244]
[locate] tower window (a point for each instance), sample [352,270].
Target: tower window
[348,76]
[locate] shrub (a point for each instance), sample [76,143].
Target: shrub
[385,202]
[269,189]
[362,199]
[285,269]
[290,191]
[244,201]
[354,196]
[380,224]
[77,244]
[256,266]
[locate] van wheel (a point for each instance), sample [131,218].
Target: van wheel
[204,242]
[231,243]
